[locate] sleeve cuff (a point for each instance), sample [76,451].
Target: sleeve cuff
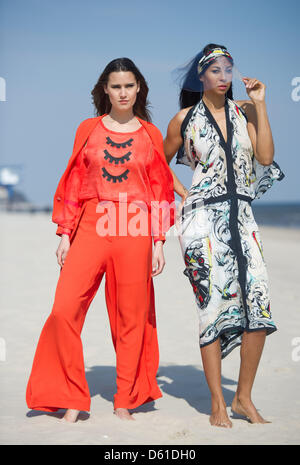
[159,238]
[61,230]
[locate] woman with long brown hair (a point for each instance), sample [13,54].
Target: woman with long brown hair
[108,206]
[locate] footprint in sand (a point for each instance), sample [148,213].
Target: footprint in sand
[180,434]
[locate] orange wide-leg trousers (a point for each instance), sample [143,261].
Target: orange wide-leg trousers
[57,378]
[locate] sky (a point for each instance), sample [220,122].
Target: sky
[53,51]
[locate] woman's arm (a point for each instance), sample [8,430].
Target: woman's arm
[70,210]
[71,196]
[258,122]
[172,143]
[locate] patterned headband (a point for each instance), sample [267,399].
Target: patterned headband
[212,55]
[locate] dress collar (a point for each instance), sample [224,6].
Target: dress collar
[216,126]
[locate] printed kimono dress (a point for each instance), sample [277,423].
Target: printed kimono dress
[218,235]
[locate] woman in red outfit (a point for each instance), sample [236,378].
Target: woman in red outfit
[115,194]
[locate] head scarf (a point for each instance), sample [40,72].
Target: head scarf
[212,55]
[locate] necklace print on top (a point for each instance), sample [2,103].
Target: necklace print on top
[111,177]
[116,160]
[118,145]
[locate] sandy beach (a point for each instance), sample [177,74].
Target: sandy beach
[29,273]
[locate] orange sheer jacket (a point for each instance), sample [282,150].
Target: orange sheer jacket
[105,164]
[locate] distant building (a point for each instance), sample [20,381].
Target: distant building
[10,198]
[8,180]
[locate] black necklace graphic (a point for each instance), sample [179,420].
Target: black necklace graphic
[116,160]
[111,177]
[119,145]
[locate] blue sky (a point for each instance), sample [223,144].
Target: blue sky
[52,52]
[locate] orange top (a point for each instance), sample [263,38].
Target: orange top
[111,163]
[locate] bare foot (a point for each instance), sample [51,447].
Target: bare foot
[123,414]
[71,415]
[247,409]
[219,415]
[220,418]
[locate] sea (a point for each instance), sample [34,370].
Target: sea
[266,214]
[277,214]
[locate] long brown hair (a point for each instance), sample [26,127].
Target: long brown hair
[101,99]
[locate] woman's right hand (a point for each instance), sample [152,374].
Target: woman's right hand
[63,249]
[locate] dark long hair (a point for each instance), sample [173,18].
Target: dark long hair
[188,98]
[101,99]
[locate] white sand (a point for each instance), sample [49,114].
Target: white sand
[29,274]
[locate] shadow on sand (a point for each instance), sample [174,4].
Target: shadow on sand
[181,381]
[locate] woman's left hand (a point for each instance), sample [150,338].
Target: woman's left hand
[158,259]
[255,89]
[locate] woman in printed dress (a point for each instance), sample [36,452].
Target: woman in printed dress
[229,146]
